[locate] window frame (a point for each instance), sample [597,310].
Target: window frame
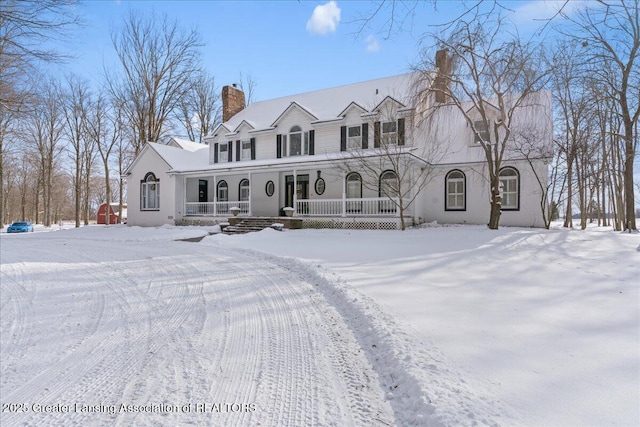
[389,138]
[287,142]
[221,158]
[354,142]
[356,178]
[457,194]
[505,180]
[222,185]
[244,186]
[150,186]
[483,130]
[245,149]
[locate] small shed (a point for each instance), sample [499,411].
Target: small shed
[114,217]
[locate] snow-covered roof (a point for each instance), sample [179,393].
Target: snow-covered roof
[178,158]
[327,104]
[186,144]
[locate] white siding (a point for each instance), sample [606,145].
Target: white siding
[151,162]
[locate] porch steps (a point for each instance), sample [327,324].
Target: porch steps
[248,225]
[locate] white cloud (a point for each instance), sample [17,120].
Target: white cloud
[372,44]
[325,19]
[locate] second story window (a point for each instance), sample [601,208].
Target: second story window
[246,150]
[354,137]
[223,155]
[390,132]
[296,143]
[482,134]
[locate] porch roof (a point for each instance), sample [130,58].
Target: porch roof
[287,163]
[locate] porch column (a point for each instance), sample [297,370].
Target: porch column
[184,196]
[215,197]
[295,190]
[344,195]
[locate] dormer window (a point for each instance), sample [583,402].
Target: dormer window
[482,132]
[246,150]
[223,153]
[296,143]
[354,137]
[390,132]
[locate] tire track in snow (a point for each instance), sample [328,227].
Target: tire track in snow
[209,326]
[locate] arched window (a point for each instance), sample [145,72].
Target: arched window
[455,189]
[388,188]
[223,191]
[296,143]
[388,184]
[510,188]
[150,193]
[243,190]
[353,184]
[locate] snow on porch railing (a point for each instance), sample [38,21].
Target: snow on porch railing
[375,206]
[213,209]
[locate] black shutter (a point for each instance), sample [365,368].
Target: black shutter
[400,131]
[376,135]
[215,153]
[278,146]
[365,136]
[238,150]
[343,138]
[230,151]
[253,148]
[312,142]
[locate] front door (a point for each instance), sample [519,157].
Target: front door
[203,190]
[302,190]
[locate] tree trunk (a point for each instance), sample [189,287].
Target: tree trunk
[496,204]
[629,198]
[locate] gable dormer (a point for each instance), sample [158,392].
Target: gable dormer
[294,113]
[388,122]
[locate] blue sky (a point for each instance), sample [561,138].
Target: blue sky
[288,47]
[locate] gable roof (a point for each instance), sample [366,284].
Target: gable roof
[186,144]
[178,158]
[328,104]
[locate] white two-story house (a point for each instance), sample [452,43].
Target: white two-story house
[340,157]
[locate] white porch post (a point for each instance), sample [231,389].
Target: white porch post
[184,196]
[215,197]
[344,195]
[295,190]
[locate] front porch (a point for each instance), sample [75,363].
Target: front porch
[344,207]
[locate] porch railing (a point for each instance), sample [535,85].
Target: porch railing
[375,206]
[215,208]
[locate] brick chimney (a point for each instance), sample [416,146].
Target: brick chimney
[232,102]
[442,81]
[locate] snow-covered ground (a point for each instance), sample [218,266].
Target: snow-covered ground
[433,326]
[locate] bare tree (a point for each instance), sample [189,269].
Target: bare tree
[45,130]
[248,85]
[25,28]
[492,83]
[200,110]
[157,62]
[104,128]
[610,34]
[75,99]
